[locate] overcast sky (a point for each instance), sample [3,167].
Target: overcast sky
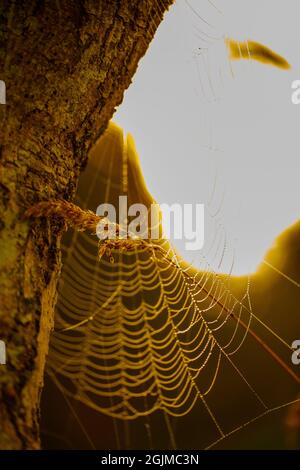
[201,123]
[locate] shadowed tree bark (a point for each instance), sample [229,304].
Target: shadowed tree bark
[66,65]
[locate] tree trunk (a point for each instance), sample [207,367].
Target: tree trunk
[66,65]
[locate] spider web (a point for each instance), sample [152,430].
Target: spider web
[141,331]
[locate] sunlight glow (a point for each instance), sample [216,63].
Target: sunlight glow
[217,132]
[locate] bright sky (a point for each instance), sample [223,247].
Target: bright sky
[200,123]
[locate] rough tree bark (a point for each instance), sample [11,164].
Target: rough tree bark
[66,65]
